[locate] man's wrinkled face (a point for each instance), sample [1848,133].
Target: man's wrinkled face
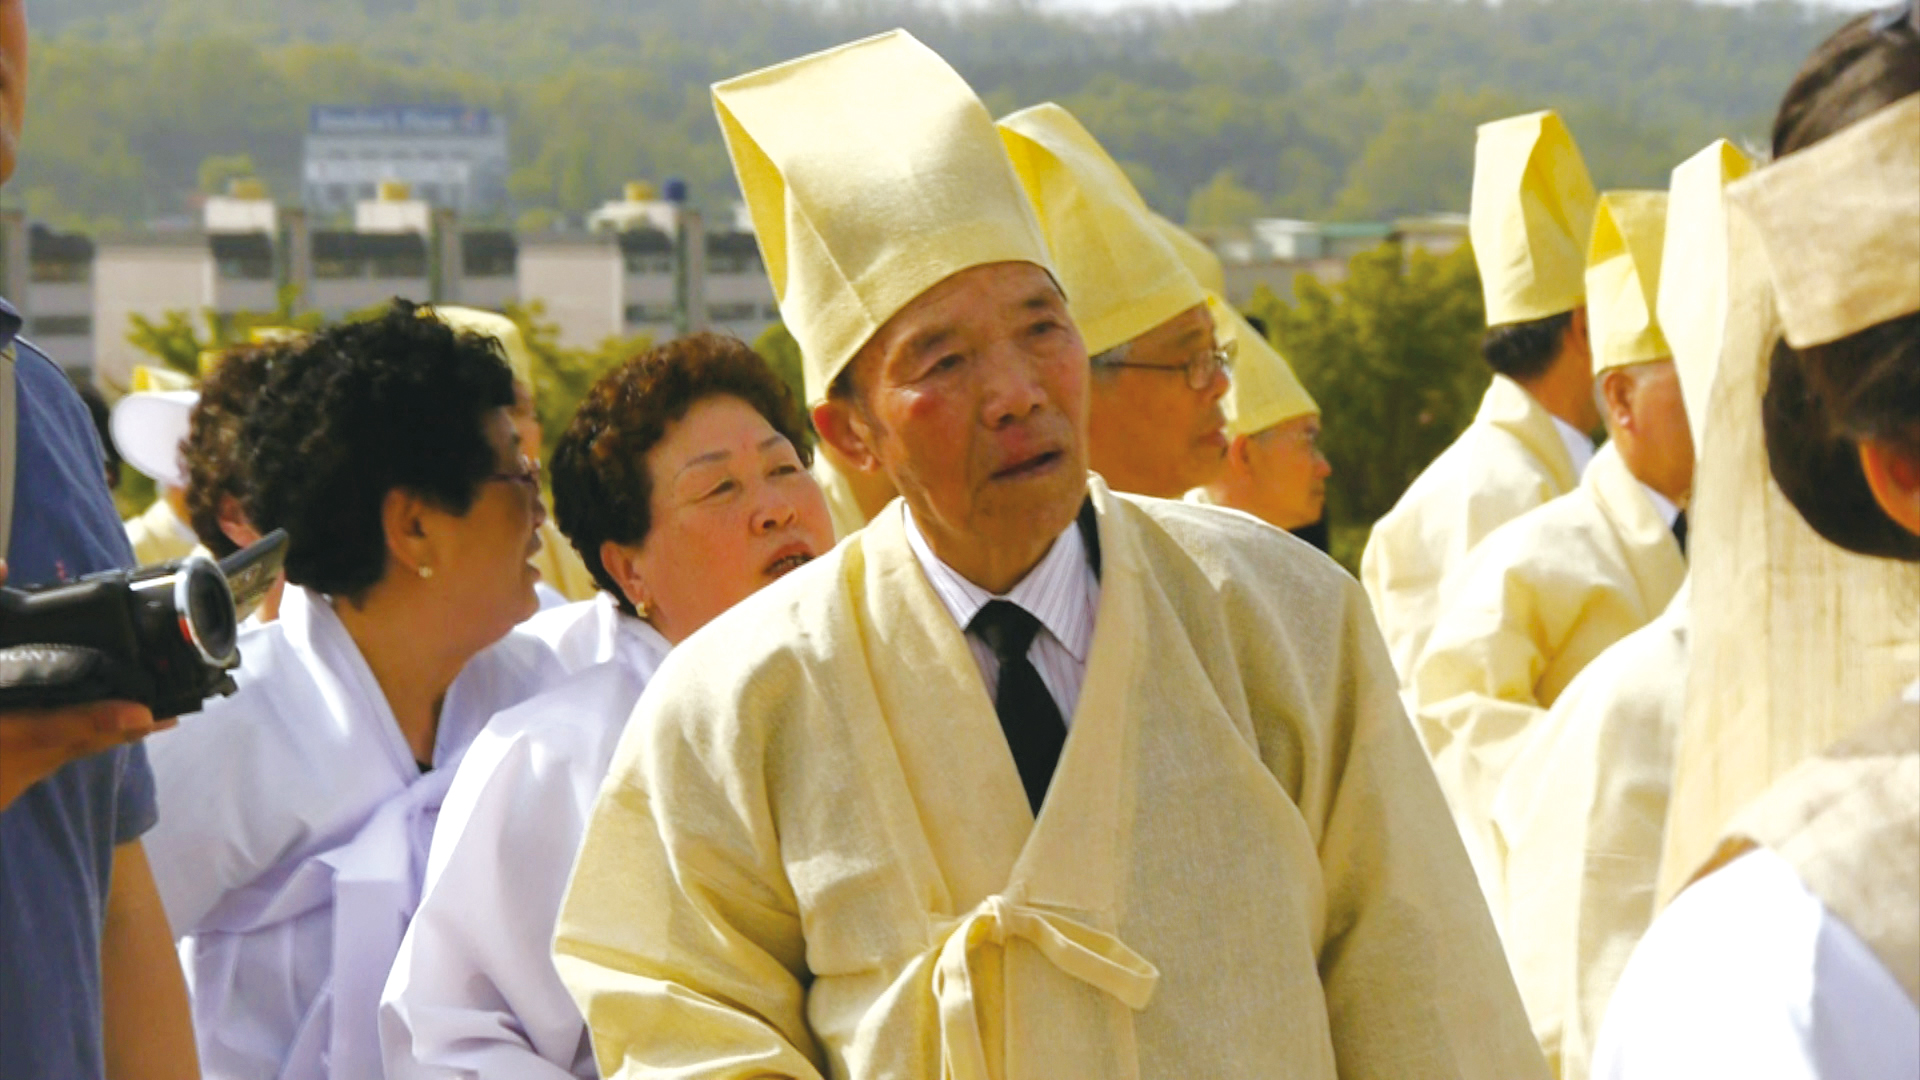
[975,405]
[1151,432]
[1290,472]
[13,80]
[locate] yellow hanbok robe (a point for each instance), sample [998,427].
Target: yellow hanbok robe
[1543,596]
[560,566]
[158,535]
[1508,461]
[842,505]
[813,856]
[1581,819]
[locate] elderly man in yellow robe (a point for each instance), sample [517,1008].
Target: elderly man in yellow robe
[1530,218]
[563,577]
[1155,424]
[1549,591]
[1025,779]
[1582,814]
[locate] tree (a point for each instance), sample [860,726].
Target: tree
[220,170]
[178,339]
[1224,201]
[562,376]
[1392,356]
[777,347]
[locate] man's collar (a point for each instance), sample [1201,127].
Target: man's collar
[1056,591]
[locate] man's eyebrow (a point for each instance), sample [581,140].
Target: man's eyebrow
[929,340]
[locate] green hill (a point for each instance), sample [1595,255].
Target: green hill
[1317,108]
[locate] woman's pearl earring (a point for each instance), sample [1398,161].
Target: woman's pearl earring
[426,571]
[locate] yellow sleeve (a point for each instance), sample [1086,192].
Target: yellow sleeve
[1416,982]
[680,937]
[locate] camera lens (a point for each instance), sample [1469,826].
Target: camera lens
[205,607]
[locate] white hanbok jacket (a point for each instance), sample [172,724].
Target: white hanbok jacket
[474,991]
[293,835]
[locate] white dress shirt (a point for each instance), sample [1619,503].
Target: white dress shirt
[1748,974]
[1579,445]
[1061,591]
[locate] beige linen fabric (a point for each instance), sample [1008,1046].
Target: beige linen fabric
[842,505]
[1508,461]
[1793,639]
[1848,822]
[1530,217]
[560,566]
[1540,598]
[813,855]
[1580,817]
[158,535]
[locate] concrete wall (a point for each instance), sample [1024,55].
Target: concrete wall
[578,278]
[146,277]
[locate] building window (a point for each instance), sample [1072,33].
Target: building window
[644,264]
[733,312]
[650,314]
[62,271]
[52,326]
[732,264]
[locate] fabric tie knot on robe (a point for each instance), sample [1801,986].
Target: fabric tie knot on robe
[1028,716]
[1094,957]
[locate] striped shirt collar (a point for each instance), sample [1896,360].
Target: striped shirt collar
[1061,591]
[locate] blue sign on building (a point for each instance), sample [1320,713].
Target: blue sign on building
[399,120]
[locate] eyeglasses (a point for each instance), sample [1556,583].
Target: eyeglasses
[1200,369]
[526,472]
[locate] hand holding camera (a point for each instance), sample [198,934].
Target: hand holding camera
[116,656]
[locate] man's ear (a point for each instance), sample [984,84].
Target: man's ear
[234,524]
[843,428]
[1240,450]
[1894,477]
[1615,390]
[623,566]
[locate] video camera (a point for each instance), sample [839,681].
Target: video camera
[165,636]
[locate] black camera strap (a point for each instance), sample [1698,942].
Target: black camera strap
[9,449]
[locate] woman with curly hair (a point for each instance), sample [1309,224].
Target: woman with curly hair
[682,482]
[296,813]
[210,454]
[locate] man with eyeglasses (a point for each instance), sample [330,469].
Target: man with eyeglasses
[1160,367]
[1274,468]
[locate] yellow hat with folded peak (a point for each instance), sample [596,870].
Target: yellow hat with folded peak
[1121,275]
[1201,262]
[1623,280]
[1264,390]
[489,324]
[1530,217]
[1692,299]
[872,173]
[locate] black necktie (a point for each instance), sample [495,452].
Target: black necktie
[1028,716]
[1680,531]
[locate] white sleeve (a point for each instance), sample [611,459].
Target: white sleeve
[474,991]
[1748,974]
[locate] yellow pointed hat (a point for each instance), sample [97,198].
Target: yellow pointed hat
[488,324]
[1692,305]
[1264,390]
[1121,275]
[1623,280]
[1530,217]
[1201,262]
[872,173]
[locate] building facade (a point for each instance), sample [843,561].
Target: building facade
[451,156]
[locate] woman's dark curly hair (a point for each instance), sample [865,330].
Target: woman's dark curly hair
[601,487]
[211,451]
[1822,399]
[358,410]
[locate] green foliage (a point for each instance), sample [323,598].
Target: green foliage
[562,376]
[1224,201]
[1312,107]
[1392,356]
[178,338]
[777,347]
[219,170]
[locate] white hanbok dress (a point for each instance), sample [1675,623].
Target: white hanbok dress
[292,841]
[474,992]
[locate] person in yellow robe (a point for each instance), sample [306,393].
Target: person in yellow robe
[853,497]
[147,426]
[1530,218]
[1547,592]
[1160,368]
[1794,951]
[563,577]
[1275,470]
[1027,778]
[1582,814]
